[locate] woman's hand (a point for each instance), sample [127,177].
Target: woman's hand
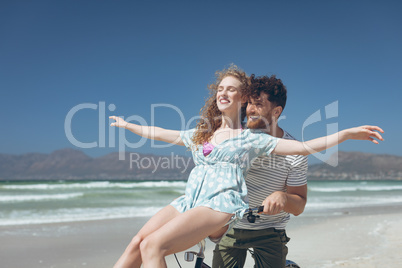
[364,133]
[149,132]
[119,122]
[291,147]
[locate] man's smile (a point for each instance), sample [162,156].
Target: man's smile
[254,117]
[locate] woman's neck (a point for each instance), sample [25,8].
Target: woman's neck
[232,122]
[230,128]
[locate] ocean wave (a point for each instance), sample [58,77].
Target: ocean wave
[371,188]
[27,217]
[93,185]
[24,198]
[350,202]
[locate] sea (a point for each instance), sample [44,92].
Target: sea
[41,202]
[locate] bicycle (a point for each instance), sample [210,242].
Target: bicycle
[189,255]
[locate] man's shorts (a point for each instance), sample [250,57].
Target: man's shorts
[268,245]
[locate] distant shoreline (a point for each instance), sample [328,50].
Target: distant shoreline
[74,165]
[159,180]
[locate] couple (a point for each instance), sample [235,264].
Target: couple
[216,192]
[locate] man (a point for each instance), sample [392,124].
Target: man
[277,182]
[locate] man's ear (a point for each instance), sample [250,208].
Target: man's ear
[277,111]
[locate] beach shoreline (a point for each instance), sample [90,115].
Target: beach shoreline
[363,237]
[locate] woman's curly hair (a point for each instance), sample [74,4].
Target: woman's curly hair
[211,117]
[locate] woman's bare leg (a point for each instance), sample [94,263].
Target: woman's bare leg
[181,233]
[132,255]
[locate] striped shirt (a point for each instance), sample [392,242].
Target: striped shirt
[269,174]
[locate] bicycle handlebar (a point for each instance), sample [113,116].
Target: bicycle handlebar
[250,216]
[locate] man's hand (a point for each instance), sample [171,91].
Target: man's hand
[275,203]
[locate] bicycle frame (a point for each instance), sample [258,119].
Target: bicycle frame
[189,256]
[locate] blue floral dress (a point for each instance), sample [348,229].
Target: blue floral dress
[217,180]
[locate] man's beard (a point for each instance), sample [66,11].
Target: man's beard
[260,123]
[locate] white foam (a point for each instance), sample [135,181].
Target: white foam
[94,184]
[328,189]
[76,214]
[39,197]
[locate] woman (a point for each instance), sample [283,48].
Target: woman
[216,194]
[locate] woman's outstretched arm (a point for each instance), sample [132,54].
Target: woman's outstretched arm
[290,147]
[150,132]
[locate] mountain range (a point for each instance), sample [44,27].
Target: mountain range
[70,164]
[358,166]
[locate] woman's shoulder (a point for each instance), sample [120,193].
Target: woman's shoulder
[188,132]
[258,136]
[256,133]
[186,136]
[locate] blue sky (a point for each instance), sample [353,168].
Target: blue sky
[133,55]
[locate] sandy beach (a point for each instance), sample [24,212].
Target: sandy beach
[354,238]
[368,238]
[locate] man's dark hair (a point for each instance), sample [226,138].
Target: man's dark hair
[272,86]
